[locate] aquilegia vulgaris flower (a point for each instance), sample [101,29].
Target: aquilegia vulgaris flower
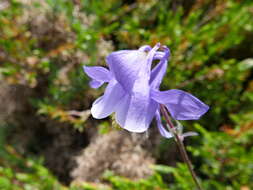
[133,90]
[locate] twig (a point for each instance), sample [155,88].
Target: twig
[181,147]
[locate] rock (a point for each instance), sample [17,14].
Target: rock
[118,151]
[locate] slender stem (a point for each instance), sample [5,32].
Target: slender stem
[181,147]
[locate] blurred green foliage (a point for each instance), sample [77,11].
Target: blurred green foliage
[225,161]
[211,57]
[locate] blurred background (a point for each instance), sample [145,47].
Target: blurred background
[48,140]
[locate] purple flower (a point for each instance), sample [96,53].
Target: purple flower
[133,90]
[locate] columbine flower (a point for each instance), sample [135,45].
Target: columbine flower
[133,90]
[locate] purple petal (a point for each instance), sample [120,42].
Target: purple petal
[161,129]
[125,65]
[159,55]
[121,110]
[130,65]
[135,115]
[105,105]
[138,109]
[98,73]
[181,105]
[159,71]
[145,48]
[150,57]
[95,83]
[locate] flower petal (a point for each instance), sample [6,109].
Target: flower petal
[105,105]
[125,65]
[159,70]
[159,55]
[138,109]
[161,129]
[145,48]
[99,74]
[181,105]
[95,83]
[135,115]
[121,110]
[150,57]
